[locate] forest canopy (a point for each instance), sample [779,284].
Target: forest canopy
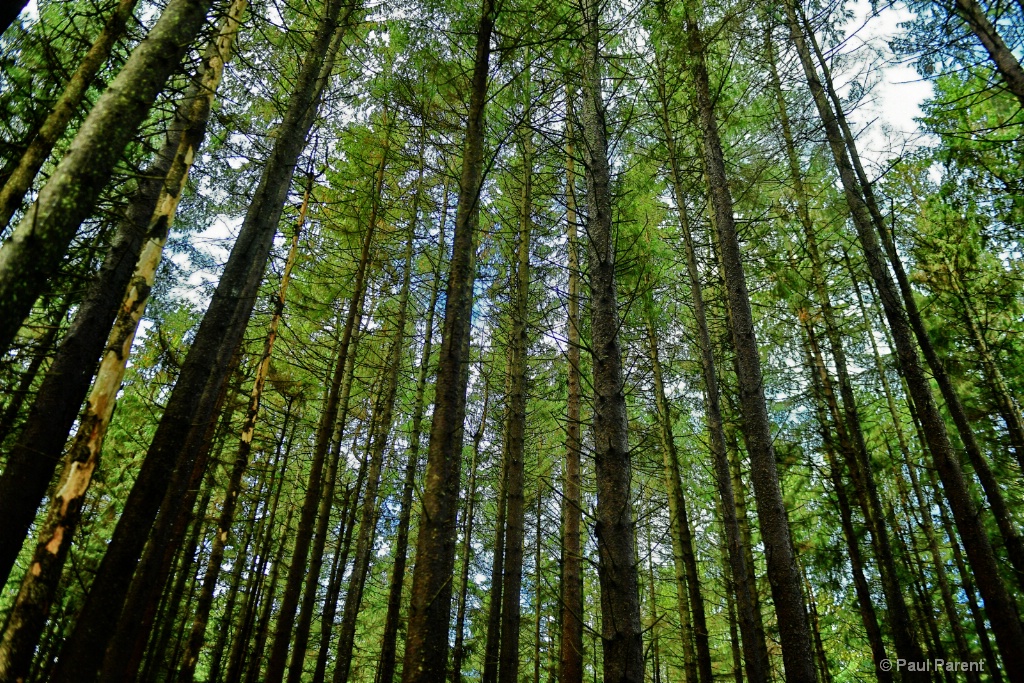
[511,341]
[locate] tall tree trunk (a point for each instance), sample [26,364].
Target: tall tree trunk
[20,179]
[426,651]
[312,562]
[616,536]
[515,432]
[865,603]
[303,577]
[492,643]
[783,574]
[570,660]
[848,427]
[755,653]
[227,514]
[368,515]
[684,559]
[179,436]
[467,544]
[34,250]
[1006,63]
[142,230]
[388,655]
[1000,608]
[255,538]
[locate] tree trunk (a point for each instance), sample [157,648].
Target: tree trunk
[426,652]
[34,250]
[783,575]
[379,440]
[492,644]
[10,12]
[20,179]
[179,436]
[202,608]
[570,660]
[687,581]
[622,636]
[386,671]
[865,604]
[1003,59]
[515,433]
[467,545]
[756,655]
[1000,607]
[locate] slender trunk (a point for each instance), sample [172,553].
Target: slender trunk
[684,558]
[492,644]
[202,609]
[621,628]
[1005,62]
[756,655]
[34,250]
[467,545]
[968,587]
[426,652]
[652,605]
[338,564]
[386,671]
[939,567]
[1000,607]
[570,666]
[167,620]
[515,435]
[143,230]
[379,439]
[826,675]
[309,576]
[179,436]
[240,561]
[783,574]
[20,179]
[538,595]
[865,604]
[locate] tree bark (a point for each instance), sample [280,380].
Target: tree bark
[426,652]
[621,629]
[1002,57]
[34,250]
[783,574]
[515,433]
[570,660]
